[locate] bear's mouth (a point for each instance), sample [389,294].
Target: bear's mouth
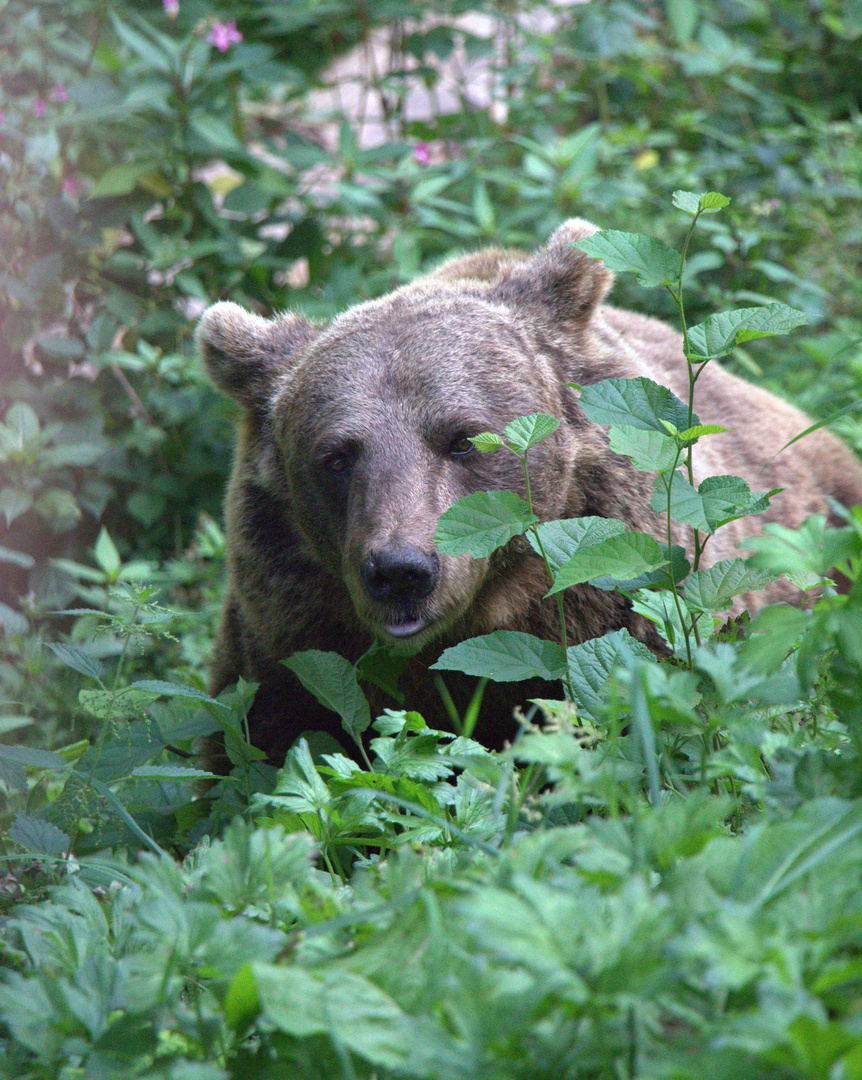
[407,628]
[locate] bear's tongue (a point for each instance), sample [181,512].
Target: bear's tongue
[405,629]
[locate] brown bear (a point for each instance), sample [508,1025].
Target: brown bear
[355,438]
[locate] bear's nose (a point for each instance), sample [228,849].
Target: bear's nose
[400,574]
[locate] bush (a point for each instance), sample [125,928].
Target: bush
[659,880]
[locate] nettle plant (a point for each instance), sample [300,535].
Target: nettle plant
[710,677]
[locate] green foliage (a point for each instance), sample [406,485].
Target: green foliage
[659,880]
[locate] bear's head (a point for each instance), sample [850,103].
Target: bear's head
[358,430]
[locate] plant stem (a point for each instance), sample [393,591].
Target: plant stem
[561,607]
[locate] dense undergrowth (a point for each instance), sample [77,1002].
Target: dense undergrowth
[662,880]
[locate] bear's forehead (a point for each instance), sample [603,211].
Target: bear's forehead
[412,346]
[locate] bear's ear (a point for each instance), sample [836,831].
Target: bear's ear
[561,279]
[246,354]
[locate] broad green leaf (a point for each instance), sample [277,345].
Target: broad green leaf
[650,451]
[718,334]
[486,442]
[561,539]
[169,689]
[678,565]
[713,589]
[638,403]
[691,203]
[480,523]
[526,431]
[683,16]
[123,179]
[300,787]
[31,758]
[718,499]
[332,679]
[77,659]
[505,656]
[23,424]
[241,1004]
[651,260]
[591,663]
[37,836]
[106,555]
[14,503]
[59,508]
[349,1009]
[623,557]
[216,132]
[116,703]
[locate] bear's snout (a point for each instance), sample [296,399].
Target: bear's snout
[399,576]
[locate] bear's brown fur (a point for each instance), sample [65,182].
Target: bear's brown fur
[354,440]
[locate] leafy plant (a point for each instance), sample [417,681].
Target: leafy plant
[661,879]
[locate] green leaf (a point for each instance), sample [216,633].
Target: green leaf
[14,503]
[59,508]
[106,555]
[17,558]
[505,656]
[650,451]
[216,133]
[349,1009]
[142,44]
[526,431]
[638,403]
[852,407]
[708,203]
[718,499]
[77,659]
[561,539]
[123,179]
[713,589]
[116,703]
[480,523]
[37,836]
[692,434]
[170,772]
[32,759]
[623,557]
[483,209]
[332,679]
[651,260]
[683,17]
[241,1003]
[718,334]
[23,424]
[300,787]
[591,663]
[486,442]
[169,689]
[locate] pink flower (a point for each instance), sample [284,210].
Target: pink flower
[171,8]
[39,107]
[59,94]
[223,35]
[422,154]
[70,185]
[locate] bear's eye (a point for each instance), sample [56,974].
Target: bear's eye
[339,460]
[337,463]
[461,446]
